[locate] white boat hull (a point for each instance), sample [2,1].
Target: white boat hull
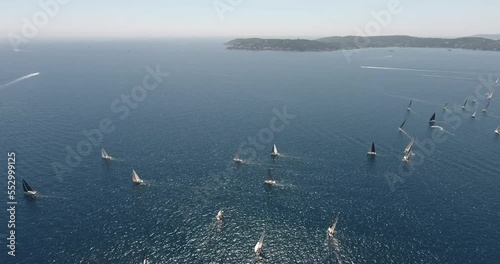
[238,160]
[369,153]
[30,193]
[270,182]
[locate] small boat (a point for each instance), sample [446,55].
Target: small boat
[406,157]
[275,151]
[497,131]
[433,119]
[474,114]
[372,151]
[410,145]
[27,189]
[490,95]
[485,109]
[219,215]
[409,106]
[474,101]
[237,158]
[465,103]
[105,155]
[269,179]
[445,105]
[144,259]
[331,229]
[497,80]
[401,126]
[257,250]
[135,178]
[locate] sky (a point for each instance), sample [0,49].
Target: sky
[249,18]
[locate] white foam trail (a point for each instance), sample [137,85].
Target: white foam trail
[447,77]
[21,50]
[442,129]
[405,69]
[20,79]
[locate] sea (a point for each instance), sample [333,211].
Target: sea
[178,110]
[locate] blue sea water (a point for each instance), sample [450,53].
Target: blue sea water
[443,207]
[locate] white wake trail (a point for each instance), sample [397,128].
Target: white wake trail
[20,79]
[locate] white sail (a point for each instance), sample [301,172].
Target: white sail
[275,151]
[409,146]
[258,247]
[331,229]
[219,215]
[105,155]
[135,177]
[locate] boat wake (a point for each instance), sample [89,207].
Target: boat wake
[20,79]
[405,69]
[447,77]
[442,129]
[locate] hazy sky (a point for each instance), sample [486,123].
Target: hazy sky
[286,18]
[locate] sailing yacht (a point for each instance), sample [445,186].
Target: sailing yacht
[485,109]
[275,151]
[474,114]
[409,106]
[135,178]
[219,215]
[433,119]
[269,179]
[408,149]
[257,250]
[445,105]
[465,103]
[331,228]
[497,131]
[27,189]
[372,151]
[237,158]
[490,95]
[105,155]
[144,259]
[401,126]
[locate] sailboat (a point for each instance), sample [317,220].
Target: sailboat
[497,131]
[257,250]
[409,106]
[331,229]
[275,151]
[269,179]
[237,158]
[144,259]
[219,215]
[401,126]
[409,146]
[372,151]
[27,189]
[474,100]
[105,155]
[433,119]
[135,178]
[407,155]
[474,114]
[445,105]
[490,95]
[485,109]
[465,103]
[497,80]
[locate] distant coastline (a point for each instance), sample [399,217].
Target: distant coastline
[357,42]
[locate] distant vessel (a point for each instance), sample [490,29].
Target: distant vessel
[269,179]
[433,119]
[105,155]
[257,250]
[135,178]
[497,80]
[372,151]
[465,103]
[237,158]
[485,109]
[275,151]
[144,259]
[474,101]
[497,130]
[219,215]
[490,95]
[27,189]
[331,229]
[401,126]
[445,105]
[409,106]
[408,149]
[474,114]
